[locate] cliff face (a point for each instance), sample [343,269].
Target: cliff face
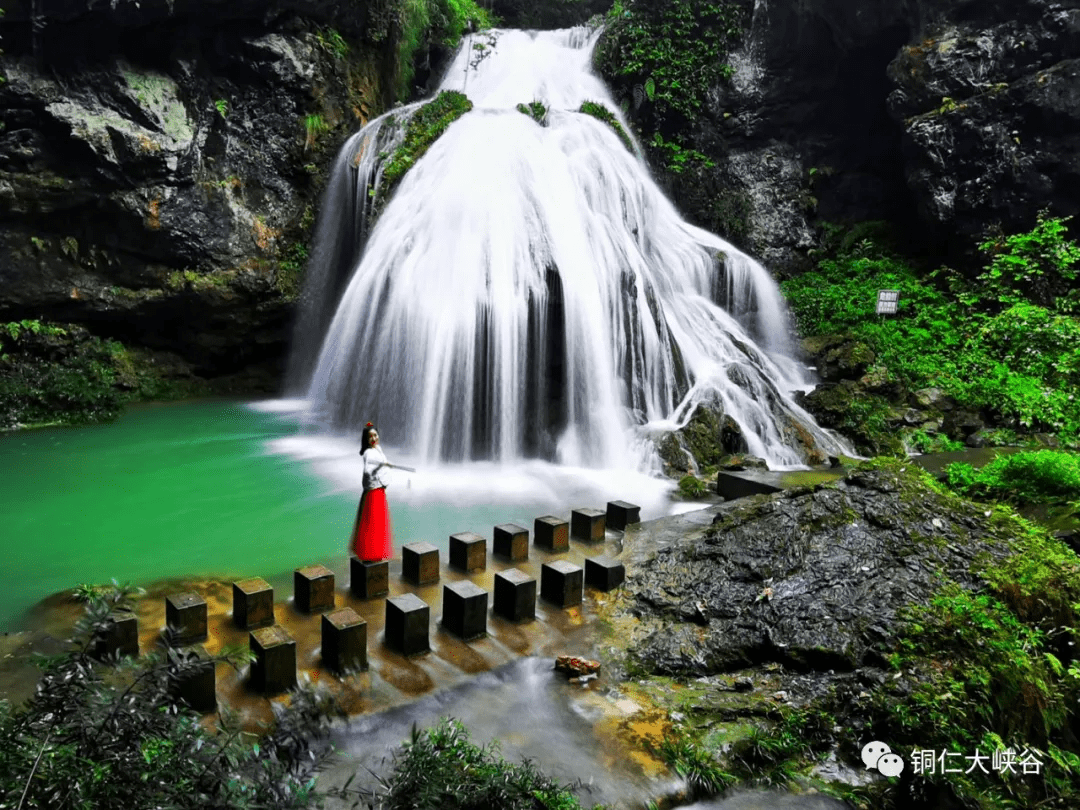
[942,116]
[160,163]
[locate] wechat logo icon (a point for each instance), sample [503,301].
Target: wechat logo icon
[878,756]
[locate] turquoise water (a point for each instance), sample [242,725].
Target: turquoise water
[225,489]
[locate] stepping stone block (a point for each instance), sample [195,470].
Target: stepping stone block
[621,514]
[369,579]
[253,603]
[604,573]
[344,641]
[420,563]
[465,607]
[120,638]
[551,533]
[196,685]
[468,552]
[313,589]
[274,668]
[588,524]
[407,620]
[561,583]
[511,541]
[515,595]
[185,616]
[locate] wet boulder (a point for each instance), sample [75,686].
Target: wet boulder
[811,578]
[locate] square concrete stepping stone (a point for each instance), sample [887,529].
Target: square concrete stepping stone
[561,583]
[121,638]
[313,589]
[253,603]
[621,514]
[407,620]
[604,573]
[274,668]
[368,580]
[344,641]
[468,552]
[420,563]
[185,616]
[465,606]
[511,541]
[515,595]
[196,683]
[588,524]
[551,533]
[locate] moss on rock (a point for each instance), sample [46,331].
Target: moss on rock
[602,113]
[423,129]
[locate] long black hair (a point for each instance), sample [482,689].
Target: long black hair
[365,437]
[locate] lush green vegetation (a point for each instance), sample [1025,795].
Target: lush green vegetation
[290,275]
[983,341]
[691,760]
[994,668]
[535,110]
[669,53]
[98,736]
[116,734]
[602,113]
[424,23]
[1041,476]
[425,126]
[314,125]
[331,41]
[51,373]
[443,768]
[690,486]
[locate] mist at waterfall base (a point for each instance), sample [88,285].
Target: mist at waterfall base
[529,309]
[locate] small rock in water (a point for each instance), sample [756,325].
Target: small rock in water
[575,666]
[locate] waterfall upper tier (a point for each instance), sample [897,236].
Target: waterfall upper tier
[529,291]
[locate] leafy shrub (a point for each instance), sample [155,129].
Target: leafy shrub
[1032,338]
[1022,363]
[1040,476]
[442,768]
[49,371]
[675,50]
[423,23]
[1038,266]
[92,736]
[678,158]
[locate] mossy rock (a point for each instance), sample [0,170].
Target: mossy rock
[424,128]
[602,113]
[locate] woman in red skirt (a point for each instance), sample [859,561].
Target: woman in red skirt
[371,534]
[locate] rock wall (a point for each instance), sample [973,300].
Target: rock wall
[161,161]
[944,117]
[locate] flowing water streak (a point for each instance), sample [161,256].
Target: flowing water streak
[529,291]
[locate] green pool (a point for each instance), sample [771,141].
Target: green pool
[226,489]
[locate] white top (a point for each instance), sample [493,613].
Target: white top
[374,460]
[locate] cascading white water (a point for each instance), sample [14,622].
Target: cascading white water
[529,291]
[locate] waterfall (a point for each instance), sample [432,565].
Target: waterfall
[528,291]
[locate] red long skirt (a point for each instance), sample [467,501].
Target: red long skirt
[371,534]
